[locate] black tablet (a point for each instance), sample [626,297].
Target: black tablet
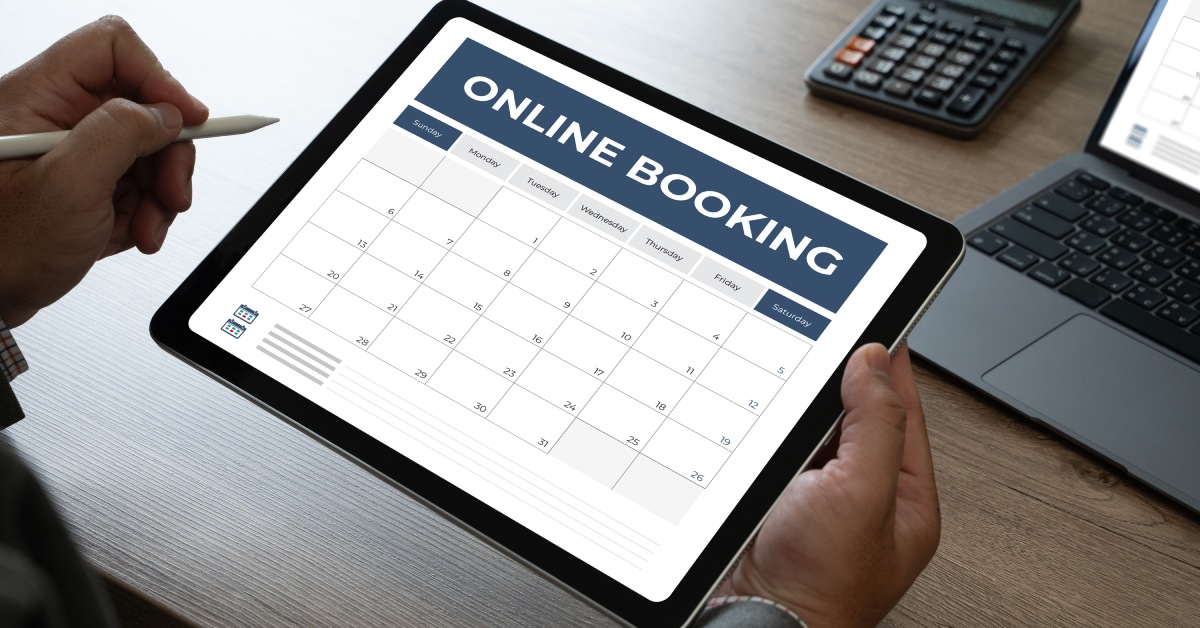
[592,323]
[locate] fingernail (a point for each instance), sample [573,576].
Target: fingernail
[161,235]
[878,360]
[199,105]
[168,115]
[187,191]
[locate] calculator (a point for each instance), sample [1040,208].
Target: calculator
[945,66]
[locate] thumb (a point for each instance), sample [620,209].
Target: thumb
[873,428]
[106,143]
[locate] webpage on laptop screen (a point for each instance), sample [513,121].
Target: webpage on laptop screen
[592,316]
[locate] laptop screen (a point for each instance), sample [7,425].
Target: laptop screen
[1156,121]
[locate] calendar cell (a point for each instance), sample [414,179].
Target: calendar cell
[519,217]
[433,218]
[379,284]
[686,452]
[551,281]
[438,316]
[593,453]
[579,248]
[525,315]
[613,314]
[649,382]
[377,188]
[350,317]
[739,381]
[406,251]
[351,221]
[703,312]
[658,489]
[404,156]
[293,285]
[621,417]
[494,250]
[498,349]
[713,417]
[680,349]
[531,418]
[586,348]
[640,280]
[559,383]
[469,285]
[409,350]
[461,185]
[768,346]
[321,252]
[469,383]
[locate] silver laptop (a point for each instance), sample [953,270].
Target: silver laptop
[1078,303]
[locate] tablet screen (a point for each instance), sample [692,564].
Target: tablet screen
[590,315]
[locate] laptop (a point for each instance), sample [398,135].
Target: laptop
[1078,303]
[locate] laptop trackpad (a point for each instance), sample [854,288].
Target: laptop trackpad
[1098,384]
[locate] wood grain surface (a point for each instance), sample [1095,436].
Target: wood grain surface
[208,506]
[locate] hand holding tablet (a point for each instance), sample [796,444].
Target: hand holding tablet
[591,323]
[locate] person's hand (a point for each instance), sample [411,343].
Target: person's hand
[847,540]
[116,182]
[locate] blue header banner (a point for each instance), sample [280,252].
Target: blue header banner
[771,233]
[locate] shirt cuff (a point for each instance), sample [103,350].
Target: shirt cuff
[777,614]
[12,362]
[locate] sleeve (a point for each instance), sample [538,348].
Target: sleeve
[12,363]
[744,611]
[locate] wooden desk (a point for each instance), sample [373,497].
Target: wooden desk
[180,490]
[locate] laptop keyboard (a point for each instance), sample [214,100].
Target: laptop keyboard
[1133,261]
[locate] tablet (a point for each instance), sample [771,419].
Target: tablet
[591,323]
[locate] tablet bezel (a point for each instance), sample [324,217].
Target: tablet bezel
[169,327]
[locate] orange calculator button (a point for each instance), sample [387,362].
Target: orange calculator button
[850,57]
[861,44]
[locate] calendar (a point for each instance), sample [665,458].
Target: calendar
[603,341]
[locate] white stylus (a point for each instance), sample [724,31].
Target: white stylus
[34,144]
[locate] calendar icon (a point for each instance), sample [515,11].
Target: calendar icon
[233,328]
[246,314]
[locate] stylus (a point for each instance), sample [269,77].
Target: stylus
[34,144]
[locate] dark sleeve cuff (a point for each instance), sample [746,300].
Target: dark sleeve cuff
[742,611]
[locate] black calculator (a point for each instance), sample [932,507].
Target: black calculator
[946,65]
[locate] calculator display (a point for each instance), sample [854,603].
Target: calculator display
[1037,14]
[590,315]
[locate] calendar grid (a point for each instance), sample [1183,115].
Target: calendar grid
[512,378]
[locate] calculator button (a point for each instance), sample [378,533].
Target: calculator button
[983,80]
[995,68]
[1014,44]
[945,38]
[951,70]
[849,57]
[838,70]
[926,19]
[893,53]
[898,88]
[915,29]
[923,62]
[982,34]
[874,32]
[905,41]
[974,47]
[912,75]
[884,20]
[932,49]
[882,66]
[967,102]
[868,79]
[954,27]
[861,44]
[1007,56]
[929,98]
[961,57]
[894,9]
[940,83]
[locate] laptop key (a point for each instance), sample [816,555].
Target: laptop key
[1132,241]
[1153,327]
[1017,257]
[1168,234]
[1049,274]
[1074,190]
[1081,265]
[1135,219]
[1087,242]
[1118,258]
[1163,256]
[1150,274]
[1046,222]
[1061,207]
[987,242]
[1107,205]
[1190,270]
[1125,196]
[1179,314]
[1191,249]
[1102,227]
[1084,292]
[1183,290]
[1092,180]
[1112,280]
[1159,212]
[1144,297]
[1030,238]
